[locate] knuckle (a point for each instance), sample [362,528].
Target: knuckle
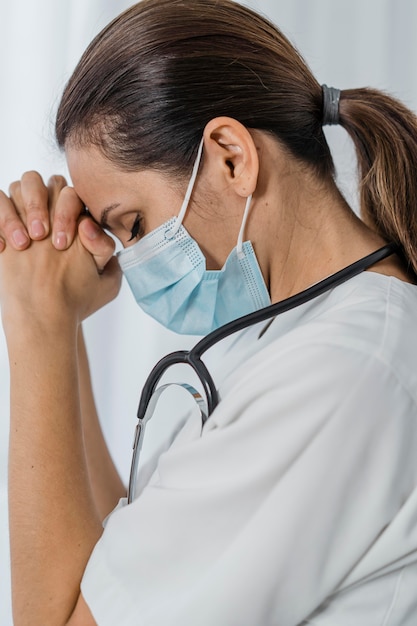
[68,193]
[65,224]
[69,206]
[35,205]
[31,175]
[9,216]
[56,180]
[9,223]
[34,194]
[64,217]
[14,188]
[109,244]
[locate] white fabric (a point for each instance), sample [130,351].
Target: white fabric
[298,503]
[348,43]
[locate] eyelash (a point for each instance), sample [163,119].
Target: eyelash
[135,232]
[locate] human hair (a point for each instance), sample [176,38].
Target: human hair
[148,84]
[384,133]
[151,80]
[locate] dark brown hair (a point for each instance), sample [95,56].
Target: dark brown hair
[160,71]
[151,80]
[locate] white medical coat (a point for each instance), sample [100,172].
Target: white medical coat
[298,502]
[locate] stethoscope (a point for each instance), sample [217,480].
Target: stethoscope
[207,403]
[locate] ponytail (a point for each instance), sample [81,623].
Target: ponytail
[384,133]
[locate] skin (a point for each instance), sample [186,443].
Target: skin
[301,229]
[292,216]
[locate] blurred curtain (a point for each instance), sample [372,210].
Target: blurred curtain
[348,43]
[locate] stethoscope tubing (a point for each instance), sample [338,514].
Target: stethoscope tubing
[293,301]
[193,357]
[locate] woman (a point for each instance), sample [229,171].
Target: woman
[193,131]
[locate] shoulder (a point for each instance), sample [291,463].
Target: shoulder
[354,342]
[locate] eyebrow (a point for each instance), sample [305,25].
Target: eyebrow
[103,218]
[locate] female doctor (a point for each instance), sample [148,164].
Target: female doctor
[193,132]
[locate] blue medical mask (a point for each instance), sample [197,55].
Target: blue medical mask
[167,274]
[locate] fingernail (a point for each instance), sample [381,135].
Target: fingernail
[60,240]
[37,229]
[20,238]
[91,230]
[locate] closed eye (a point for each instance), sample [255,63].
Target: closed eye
[135,231]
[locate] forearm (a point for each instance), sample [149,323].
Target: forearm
[105,481]
[54,523]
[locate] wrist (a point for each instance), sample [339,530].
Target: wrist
[24,327]
[19,318]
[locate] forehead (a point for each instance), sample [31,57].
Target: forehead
[100,184]
[87,165]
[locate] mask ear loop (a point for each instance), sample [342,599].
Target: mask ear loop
[180,217]
[239,245]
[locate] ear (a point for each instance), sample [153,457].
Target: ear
[230,147]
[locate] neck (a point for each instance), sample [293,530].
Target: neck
[315,252]
[306,230]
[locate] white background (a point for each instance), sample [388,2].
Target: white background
[348,43]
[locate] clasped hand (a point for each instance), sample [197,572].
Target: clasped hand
[55,262]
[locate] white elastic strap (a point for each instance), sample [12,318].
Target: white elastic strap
[239,245]
[189,191]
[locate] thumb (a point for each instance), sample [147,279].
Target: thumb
[111,279]
[100,245]
[109,286]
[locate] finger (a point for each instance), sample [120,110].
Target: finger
[66,213]
[15,193]
[111,280]
[34,199]
[55,185]
[12,229]
[96,241]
